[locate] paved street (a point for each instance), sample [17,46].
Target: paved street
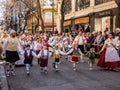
[65,79]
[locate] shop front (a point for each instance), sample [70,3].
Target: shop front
[105,21]
[67,25]
[82,23]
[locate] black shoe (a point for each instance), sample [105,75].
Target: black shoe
[28,73]
[38,62]
[53,65]
[8,73]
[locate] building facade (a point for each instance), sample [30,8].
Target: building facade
[48,14]
[90,15]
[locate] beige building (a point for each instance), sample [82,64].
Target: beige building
[90,15]
[48,15]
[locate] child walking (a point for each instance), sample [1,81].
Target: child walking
[57,52]
[75,54]
[28,55]
[44,55]
[91,56]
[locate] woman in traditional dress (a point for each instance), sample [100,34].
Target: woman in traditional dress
[12,52]
[109,58]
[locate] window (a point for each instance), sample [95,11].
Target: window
[97,2]
[82,4]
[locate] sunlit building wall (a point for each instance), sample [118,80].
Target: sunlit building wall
[90,15]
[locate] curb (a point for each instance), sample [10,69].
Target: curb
[4,83]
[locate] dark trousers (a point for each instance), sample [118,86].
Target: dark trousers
[81,47]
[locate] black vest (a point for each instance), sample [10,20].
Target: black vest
[30,57]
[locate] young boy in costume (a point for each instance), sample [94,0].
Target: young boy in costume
[91,56]
[28,55]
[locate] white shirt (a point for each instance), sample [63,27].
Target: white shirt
[28,53]
[52,41]
[73,50]
[44,52]
[59,52]
[80,40]
[98,40]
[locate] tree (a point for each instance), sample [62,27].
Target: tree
[40,16]
[65,9]
[62,15]
[37,14]
[31,9]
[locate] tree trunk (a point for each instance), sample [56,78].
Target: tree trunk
[37,25]
[40,15]
[62,15]
[25,25]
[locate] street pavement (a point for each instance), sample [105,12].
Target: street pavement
[65,79]
[3,79]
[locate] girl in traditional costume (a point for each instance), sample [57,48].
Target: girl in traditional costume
[75,55]
[44,55]
[38,47]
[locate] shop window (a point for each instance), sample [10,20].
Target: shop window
[97,2]
[82,4]
[102,24]
[67,6]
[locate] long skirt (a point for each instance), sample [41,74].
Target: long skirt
[12,56]
[43,63]
[107,64]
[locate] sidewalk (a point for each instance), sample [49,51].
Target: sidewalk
[3,79]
